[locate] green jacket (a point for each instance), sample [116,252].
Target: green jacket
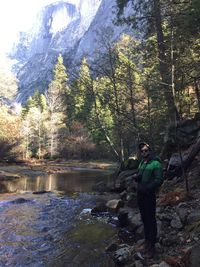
[150,175]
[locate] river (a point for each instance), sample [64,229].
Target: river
[54,228]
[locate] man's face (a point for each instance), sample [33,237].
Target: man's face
[144,152]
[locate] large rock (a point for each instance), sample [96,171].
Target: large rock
[193,217]
[114,205]
[176,222]
[164,264]
[194,259]
[135,219]
[122,255]
[183,135]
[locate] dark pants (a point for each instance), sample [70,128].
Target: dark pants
[147,207]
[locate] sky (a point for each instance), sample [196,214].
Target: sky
[16,15]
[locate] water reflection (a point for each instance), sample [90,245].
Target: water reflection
[48,229]
[74,181]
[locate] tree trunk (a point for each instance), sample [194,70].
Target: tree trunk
[39,141]
[52,143]
[197,92]
[150,120]
[101,124]
[163,66]
[27,149]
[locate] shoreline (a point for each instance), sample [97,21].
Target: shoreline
[14,170]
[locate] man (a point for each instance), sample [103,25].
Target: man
[149,179]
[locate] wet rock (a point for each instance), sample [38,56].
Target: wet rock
[114,205]
[121,181]
[194,259]
[138,256]
[101,208]
[123,220]
[138,263]
[131,199]
[176,222]
[182,213]
[135,219]
[100,187]
[114,221]
[193,217]
[20,201]
[166,217]
[164,264]
[169,240]
[40,192]
[122,255]
[159,228]
[140,242]
[111,248]
[126,236]
[44,229]
[123,195]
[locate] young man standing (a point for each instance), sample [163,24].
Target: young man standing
[150,178]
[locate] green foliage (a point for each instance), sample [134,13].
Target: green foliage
[83,97]
[124,96]
[60,75]
[56,106]
[37,100]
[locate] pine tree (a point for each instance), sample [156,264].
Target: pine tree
[149,15]
[55,97]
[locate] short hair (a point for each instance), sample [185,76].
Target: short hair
[142,144]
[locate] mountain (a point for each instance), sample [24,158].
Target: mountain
[73,30]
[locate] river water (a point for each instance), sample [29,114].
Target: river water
[54,228]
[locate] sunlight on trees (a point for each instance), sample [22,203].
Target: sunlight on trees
[131,91]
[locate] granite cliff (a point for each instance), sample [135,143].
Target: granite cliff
[74,30]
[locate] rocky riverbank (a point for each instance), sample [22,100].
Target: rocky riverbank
[178,214]
[178,221]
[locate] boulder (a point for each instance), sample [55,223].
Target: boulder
[122,255]
[194,259]
[114,205]
[193,217]
[176,222]
[123,220]
[101,208]
[135,219]
[100,187]
[126,236]
[19,201]
[164,264]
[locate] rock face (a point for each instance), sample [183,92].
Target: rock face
[61,28]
